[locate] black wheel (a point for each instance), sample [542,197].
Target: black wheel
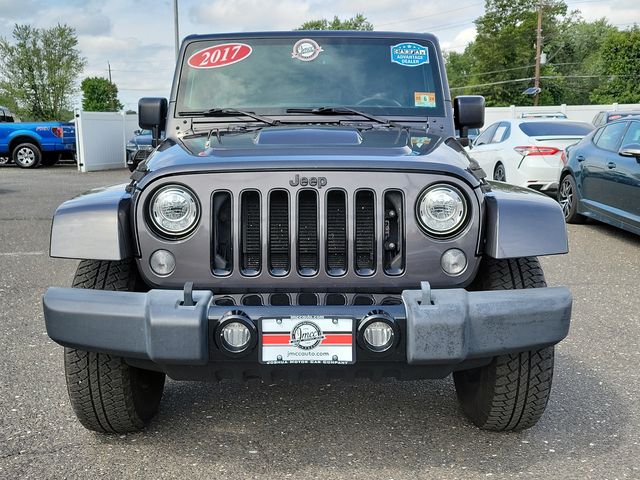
[511,393]
[106,394]
[568,200]
[499,173]
[26,155]
[50,159]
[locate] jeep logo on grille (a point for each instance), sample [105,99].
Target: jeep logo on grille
[317,182]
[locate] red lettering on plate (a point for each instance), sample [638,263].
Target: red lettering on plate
[220,55]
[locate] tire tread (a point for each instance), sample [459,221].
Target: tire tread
[101,386]
[516,386]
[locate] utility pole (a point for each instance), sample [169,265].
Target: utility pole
[175,27]
[109,65]
[536,83]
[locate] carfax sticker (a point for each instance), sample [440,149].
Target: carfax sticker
[409,54]
[220,55]
[424,99]
[306,50]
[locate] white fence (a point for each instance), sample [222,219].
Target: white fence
[582,113]
[101,139]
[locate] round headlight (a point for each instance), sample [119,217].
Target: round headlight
[442,210]
[174,210]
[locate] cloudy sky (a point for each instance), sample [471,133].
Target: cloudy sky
[136,36]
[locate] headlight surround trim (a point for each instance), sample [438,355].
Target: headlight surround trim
[154,215]
[458,226]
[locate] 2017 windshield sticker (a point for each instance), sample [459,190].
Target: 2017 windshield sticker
[306,50]
[409,54]
[220,55]
[425,99]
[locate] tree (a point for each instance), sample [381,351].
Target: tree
[99,95]
[359,22]
[620,54]
[504,53]
[39,70]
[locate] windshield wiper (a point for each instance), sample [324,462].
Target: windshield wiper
[229,112]
[340,111]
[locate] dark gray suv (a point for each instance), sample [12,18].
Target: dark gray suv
[310,213]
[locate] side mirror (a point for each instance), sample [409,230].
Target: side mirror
[630,150]
[152,115]
[468,112]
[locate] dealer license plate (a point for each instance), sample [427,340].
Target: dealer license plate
[307,339]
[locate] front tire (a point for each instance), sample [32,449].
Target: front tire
[26,155]
[511,393]
[107,394]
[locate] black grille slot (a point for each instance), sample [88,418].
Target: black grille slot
[222,234]
[365,232]
[393,235]
[308,232]
[279,299]
[250,247]
[336,233]
[307,299]
[335,299]
[279,256]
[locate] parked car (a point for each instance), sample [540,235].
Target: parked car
[29,145]
[543,115]
[605,117]
[527,153]
[328,229]
[138,148]
[601,178]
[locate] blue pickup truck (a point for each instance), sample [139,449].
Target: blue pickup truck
[29,145]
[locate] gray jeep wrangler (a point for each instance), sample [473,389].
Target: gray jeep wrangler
[310,213]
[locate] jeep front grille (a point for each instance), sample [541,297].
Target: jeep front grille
[322,229]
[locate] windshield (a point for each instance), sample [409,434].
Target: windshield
[271,75]
[538,129]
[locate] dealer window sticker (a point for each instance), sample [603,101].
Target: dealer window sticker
[424,99]
[218,56]
[306,50]
[409,54]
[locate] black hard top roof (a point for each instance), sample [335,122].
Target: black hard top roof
[317,34]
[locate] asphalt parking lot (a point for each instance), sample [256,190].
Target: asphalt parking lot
[390,430]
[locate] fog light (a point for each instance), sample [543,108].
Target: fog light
[236,336]
[379,336]
[453,262]
[162,262]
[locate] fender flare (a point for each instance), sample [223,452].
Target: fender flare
[94,226]
[521,222]
[35,138]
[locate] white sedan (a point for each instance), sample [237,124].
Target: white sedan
[527,153]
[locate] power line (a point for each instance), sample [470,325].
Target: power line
[413,19]
[543,77]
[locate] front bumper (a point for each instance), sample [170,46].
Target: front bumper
[437,327]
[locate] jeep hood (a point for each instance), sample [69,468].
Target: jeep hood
[309,148]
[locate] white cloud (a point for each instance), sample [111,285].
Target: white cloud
[245,15]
